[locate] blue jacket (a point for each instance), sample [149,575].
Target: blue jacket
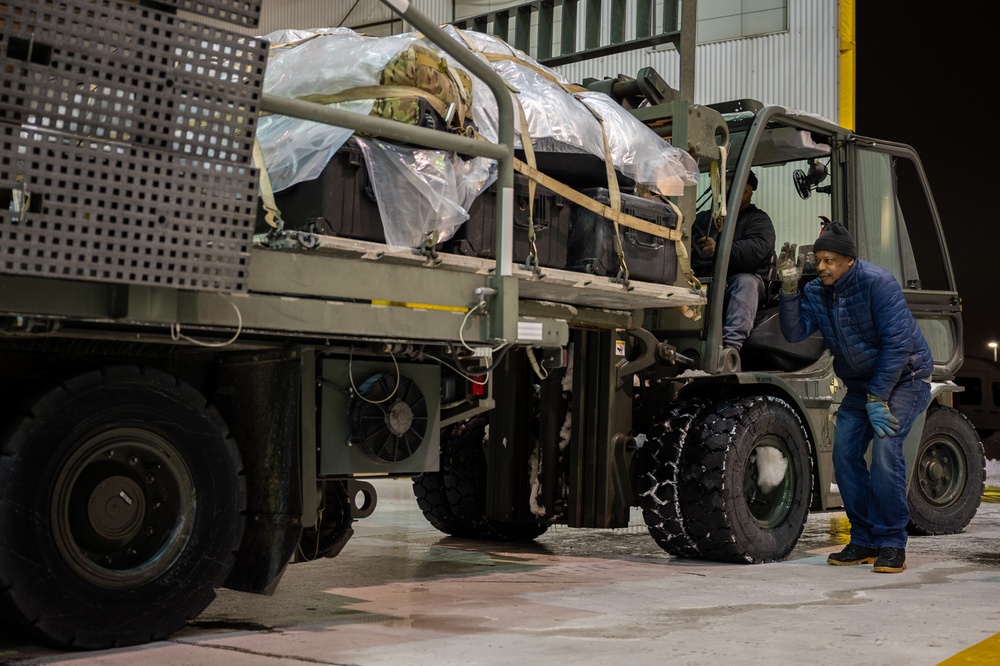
[867,326]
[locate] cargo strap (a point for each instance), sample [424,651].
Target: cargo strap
[582,200]
[612,212]
[718,167]
[271,213]
[374,92]
[614,193]
[531,262]
[683,259]
[571,88]
[513,57]
[288,45]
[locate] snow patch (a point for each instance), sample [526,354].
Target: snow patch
[534,473]
[565,431]
[771,467]
[993,472]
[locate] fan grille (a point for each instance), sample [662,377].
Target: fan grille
[388,422]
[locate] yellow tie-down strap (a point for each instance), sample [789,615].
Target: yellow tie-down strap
[598,208]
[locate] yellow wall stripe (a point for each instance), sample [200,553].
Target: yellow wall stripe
[848,54]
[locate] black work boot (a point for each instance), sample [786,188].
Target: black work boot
[852,555]
[890,560]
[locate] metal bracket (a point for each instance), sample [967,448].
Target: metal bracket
[365,492]
[279,239]
[652,351]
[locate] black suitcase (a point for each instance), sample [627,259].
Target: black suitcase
[649,258]
[341,202]
[578,170]
[477,237]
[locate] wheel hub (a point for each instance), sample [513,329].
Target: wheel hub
[122,506]
[116,509]
[941,472]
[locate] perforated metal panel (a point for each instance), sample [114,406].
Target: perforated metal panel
[127,136]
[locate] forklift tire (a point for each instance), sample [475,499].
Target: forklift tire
[659,458]
[465,483]
[121,500]
[432,498]
[746,480]
[949,475]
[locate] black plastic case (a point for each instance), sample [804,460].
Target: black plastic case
[341,202]
[477,237]
[648,258]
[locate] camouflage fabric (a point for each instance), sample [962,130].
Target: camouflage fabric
[420,67]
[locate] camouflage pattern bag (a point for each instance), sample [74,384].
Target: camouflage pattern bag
[447,99]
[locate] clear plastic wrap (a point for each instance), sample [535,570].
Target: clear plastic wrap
[323,61]
[560,121]
[425,193]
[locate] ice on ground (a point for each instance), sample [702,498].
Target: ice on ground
[771,467]
[993,472]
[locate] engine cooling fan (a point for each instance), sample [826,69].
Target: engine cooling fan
[388,421]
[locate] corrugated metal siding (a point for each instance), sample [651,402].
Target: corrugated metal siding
[797,68]
[305,14]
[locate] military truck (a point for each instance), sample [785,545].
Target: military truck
[187,408]
[980,400]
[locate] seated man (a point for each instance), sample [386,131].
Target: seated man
[750,261]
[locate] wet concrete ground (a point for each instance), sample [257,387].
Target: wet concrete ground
[403,593]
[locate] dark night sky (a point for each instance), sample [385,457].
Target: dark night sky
[925,75]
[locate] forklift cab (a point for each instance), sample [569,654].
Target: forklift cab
[810,171]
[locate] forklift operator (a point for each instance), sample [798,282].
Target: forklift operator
[750,262]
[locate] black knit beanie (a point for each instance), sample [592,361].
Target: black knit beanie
[835,238]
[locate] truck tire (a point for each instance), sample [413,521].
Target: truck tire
[432,498]
[465,484]
[659,460]
[949,475]
[121,497]
[746,480]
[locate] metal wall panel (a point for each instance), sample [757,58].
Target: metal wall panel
[306,14]
[797,68]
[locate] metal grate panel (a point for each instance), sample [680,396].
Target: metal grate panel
[127,138]
[107,212]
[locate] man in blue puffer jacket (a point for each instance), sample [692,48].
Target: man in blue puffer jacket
[883,359]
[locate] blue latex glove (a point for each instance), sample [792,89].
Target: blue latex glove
[884,423]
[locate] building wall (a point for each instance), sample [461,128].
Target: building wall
[788,54]
[797,67]
[373,15]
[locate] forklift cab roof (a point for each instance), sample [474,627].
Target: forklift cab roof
[788,135]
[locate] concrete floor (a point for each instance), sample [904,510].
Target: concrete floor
[402,593]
